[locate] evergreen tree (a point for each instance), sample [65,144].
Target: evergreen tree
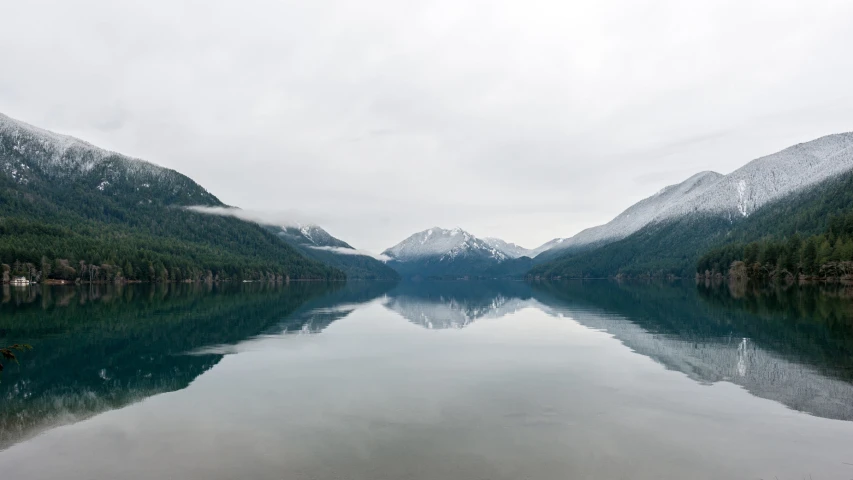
[808,257]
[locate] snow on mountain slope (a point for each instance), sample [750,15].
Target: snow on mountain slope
[770,178]
[29,153]
[737,194]
[317,243]
[445,245]
[313,236]
[511,250]
[551,245]
[63,153]
[638,215]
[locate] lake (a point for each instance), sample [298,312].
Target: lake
[428,380]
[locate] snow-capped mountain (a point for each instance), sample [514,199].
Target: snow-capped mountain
[445,245]
[439,251]
[635,217]
[550,245]
[734,195]
[31,154]
[312,236]
[317,243]
[511,250]
[769,178]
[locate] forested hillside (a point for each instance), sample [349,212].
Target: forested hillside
[69,210]
[675,247]
[826,255]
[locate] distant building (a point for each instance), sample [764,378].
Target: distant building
[20,281]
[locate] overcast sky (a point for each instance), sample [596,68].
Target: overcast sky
[525,119]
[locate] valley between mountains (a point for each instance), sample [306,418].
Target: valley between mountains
[73,212]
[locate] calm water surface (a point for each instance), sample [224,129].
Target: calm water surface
[432,380]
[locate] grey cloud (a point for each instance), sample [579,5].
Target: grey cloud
[281,219]
[350,251]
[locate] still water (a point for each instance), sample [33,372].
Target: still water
[431,380]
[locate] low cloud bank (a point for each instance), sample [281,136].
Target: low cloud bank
[281,219]
[352,251]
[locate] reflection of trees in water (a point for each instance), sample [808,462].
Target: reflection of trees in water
[792,345]
[809,323]
[10,353]
[100,347]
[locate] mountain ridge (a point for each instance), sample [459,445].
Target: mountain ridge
[674,246]
[737,194]
[439,252]
[72,211]
[315,242]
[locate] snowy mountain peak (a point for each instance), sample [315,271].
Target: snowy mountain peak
[313,236]
[509,249]
[444,244]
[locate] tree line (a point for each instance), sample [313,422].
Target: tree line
[825,255]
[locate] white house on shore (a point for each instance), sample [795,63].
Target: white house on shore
[20,281]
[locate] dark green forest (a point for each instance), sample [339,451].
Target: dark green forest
[71,215]
[826,255]
[675,248]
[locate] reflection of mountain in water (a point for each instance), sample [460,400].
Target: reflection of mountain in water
[318,313]
[437,305]
[803,364]
[102,348]
[794,347]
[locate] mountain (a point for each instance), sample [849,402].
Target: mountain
[738,194]
[634,218]
[311,236]
[795,190]
[72,211]
[442,252]
[316,243]
[769,178]
[550,245]
[810,234]
[511,250]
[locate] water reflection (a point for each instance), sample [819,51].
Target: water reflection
[793,345]
[437,305]
[103,347]
[463,380]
